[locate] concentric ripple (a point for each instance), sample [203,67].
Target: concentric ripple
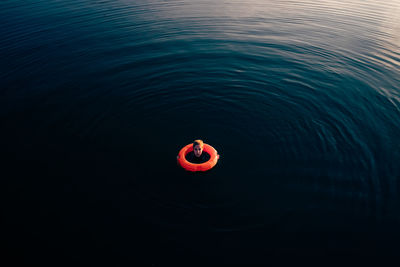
[301,99]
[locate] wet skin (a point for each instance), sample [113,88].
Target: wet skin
[197,151]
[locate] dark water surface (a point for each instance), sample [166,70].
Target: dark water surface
[300,98]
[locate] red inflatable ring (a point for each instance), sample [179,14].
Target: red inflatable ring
[193,167]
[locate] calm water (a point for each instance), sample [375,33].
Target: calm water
[300,98]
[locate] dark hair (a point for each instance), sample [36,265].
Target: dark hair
[198,142]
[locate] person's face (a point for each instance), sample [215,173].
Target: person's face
[197,151]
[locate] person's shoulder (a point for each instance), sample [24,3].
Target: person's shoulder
[190,155]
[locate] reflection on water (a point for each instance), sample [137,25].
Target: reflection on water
[300,98]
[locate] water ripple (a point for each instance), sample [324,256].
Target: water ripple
[314,83]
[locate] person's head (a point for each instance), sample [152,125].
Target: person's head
[198,147]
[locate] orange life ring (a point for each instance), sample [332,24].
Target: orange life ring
[193,167]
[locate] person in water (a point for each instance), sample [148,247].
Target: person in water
[197,155]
